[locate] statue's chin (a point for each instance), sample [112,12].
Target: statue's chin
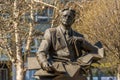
[65,24]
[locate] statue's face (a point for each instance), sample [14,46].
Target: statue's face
[67,18]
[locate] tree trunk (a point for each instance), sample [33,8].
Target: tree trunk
[118,76]
[19,60]
[29,40]
[118,72]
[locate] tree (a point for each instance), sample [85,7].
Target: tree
[17,25]
[15,28]
[100,21]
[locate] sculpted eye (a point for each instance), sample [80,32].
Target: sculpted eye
[70,16]
[64,15]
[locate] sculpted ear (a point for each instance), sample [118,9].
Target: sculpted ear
[73,20]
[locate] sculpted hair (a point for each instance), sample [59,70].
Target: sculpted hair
[69,9]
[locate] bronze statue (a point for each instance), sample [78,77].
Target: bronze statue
[61,55]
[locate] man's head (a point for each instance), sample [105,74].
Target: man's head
[67,17]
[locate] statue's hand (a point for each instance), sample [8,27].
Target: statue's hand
[46,66]
[80,61]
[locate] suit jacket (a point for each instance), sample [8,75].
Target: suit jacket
[55,46]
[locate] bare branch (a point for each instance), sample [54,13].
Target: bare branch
[46,4]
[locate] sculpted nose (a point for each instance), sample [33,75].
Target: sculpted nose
[67,17]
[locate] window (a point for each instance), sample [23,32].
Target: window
[42,19]
[3,72]
[30,75]
[34,45]
[44,16]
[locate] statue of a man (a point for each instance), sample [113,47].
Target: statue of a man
[64,46]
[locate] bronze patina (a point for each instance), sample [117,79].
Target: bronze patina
[60,55]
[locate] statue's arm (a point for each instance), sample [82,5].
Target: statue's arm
[88,47]
[91,50]
[94,50]
[44,47]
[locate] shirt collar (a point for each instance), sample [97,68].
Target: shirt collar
[63,30]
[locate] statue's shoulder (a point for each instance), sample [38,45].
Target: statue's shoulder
[75,33]
[52,30]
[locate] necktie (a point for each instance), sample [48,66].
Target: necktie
[67,34]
